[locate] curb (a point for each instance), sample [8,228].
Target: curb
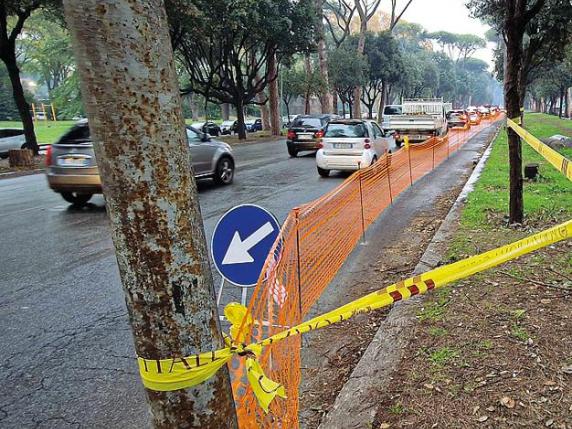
[353,407]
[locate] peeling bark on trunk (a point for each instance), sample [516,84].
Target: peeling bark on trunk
[130,92]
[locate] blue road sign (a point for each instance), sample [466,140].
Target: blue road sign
[241,242]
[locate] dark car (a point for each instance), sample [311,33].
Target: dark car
[208,127]
[256,126]
[457,118]
[306,131]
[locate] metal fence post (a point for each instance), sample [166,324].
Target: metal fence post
[389,179]
[361,205]
[298,264]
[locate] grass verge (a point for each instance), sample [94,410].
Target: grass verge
[495,350]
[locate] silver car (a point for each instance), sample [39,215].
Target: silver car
[11,138]
[72,170]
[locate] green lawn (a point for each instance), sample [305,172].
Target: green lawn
[47,132]
[550,198]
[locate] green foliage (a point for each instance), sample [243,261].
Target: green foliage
[442,356]
[46,51]
[348,70]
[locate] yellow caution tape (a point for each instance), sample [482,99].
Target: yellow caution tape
[184,372]
[563,164]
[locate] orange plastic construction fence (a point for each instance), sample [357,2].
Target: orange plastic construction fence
[314,242]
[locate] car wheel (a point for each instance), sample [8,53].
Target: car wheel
[224,171]
[3,155]
[292,152]
[322,172]
[398,143]
[374,160]
[78,200]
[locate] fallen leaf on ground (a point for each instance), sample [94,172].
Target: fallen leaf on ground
[507,402]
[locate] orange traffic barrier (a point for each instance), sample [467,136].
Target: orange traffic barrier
[315,240]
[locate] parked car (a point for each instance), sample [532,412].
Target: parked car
[11,138]
[350,144]
[71,168]
[457,119]
[256,126]
[208,127]
[305,132]
[474,118]
[228,127]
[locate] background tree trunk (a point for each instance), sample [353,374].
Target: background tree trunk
[225,111]
[273,96]
[307,95]
[240,119]
[512,91]
[151,197]
[264,113]
[20,100]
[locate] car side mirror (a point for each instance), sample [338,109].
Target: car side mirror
[205,137]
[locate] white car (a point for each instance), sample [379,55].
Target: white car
[11,138]
[227,127]
[351,144]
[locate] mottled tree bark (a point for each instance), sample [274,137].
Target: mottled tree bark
[130,92]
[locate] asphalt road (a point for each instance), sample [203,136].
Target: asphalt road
[67,356]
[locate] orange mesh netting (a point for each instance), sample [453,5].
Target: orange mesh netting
[314,242]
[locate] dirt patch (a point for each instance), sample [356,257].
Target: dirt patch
[492,351]
[7,171]
[334,352]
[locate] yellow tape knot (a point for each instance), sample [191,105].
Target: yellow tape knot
[184,372]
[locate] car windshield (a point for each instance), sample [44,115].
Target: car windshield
[392,110]
[346,130]
[307,122]
[454,115]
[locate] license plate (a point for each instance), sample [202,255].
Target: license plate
[70,161]
[343,145]
[305,137]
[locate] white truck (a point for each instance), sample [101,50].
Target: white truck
[416,118]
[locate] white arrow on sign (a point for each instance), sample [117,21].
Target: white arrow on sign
[237,252]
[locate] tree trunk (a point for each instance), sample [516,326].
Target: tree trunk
[307,94]
[194,108]
[334,102]
[512,92]
[360,50]
[240,119]
[273,96]
[382,98]
[151,197]
[326,97]
[20,100]
[264,112]
[568,102]
[225,111]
